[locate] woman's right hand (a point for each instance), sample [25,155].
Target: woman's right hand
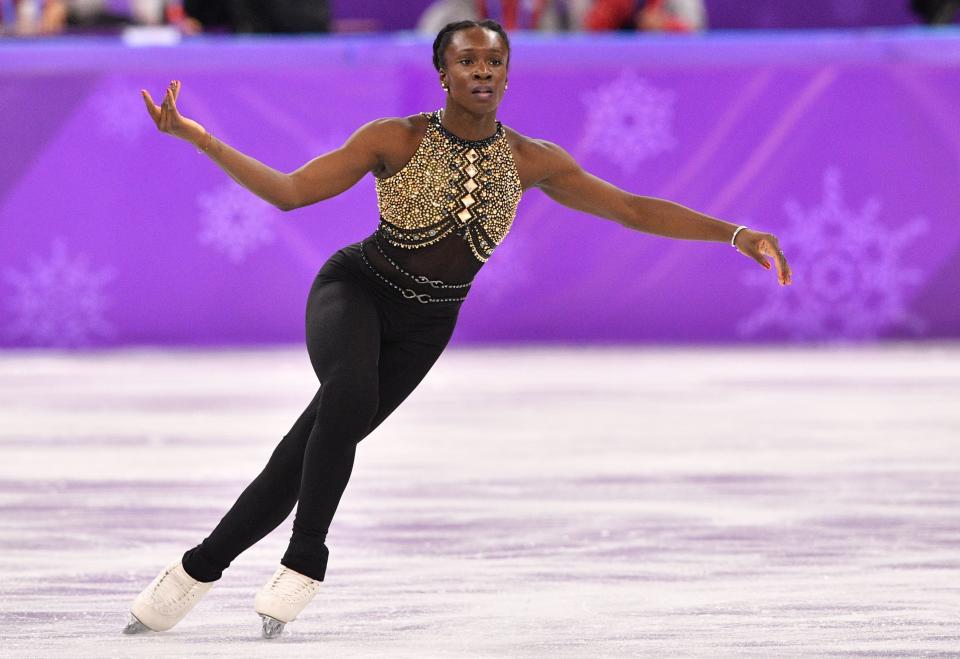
[168,118]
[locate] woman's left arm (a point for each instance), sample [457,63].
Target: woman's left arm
[562,179]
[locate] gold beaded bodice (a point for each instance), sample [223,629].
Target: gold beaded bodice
[451,186]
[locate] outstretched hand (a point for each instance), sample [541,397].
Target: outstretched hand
[168,119]
[758,246]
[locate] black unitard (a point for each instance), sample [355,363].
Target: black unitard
[369,347]
[374,328]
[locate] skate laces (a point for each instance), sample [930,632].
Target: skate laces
[171,592]
[292,587]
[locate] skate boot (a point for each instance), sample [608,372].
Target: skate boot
[283,598]
[165,601]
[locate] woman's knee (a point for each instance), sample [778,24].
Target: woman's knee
[348,402]
[286,462]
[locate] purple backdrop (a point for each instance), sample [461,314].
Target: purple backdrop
[846,145]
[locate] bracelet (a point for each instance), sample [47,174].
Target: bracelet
[733,241]
[205,149]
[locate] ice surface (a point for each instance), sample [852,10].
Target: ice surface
[521,503]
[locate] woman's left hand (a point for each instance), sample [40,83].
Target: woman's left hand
[758,245]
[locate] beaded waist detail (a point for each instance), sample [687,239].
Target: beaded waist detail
[410,279]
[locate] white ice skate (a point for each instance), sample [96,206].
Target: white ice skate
[165,601]
[283,598]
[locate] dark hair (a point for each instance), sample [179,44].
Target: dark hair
[443,37]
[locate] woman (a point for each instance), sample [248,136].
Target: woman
[381,311]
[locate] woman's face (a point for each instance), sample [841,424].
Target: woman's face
[475,69]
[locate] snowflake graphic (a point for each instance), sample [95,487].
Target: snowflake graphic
[59,302]
[118,110]
[849,282]
[234,221]
[628,121]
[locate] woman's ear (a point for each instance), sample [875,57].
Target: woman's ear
[443,80]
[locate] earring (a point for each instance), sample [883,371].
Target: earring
[445,88]
[506,86]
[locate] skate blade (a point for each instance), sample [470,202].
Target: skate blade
[134,626]
[272,627]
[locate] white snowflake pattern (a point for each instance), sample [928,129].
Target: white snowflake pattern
[59,301]
[849,282]
[234,221]
[118,110]
[629,120]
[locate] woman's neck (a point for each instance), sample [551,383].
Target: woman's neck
[467,125]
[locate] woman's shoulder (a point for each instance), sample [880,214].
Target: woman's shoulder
[536,158]
[526,144]
[394,140]
[414,125]
[532,148]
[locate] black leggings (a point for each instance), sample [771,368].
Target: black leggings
[370,348]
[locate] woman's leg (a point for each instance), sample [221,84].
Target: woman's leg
[261,507]
[329,457]
[343,331]
[363,380]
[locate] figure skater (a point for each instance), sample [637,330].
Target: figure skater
[380,311]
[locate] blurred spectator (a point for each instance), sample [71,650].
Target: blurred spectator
[31,17]
[936,12]
[442,12]
[273,16]
[56,16]
[191,16]
[649,15]
[512,14]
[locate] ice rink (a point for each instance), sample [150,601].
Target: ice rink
[538,503]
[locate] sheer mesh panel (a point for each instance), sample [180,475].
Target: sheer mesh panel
[448,260]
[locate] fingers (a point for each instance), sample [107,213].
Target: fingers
[151,106]
[165,112]
[165,115]
[771,246]
[170,116]
[169,101]
[784,275]
[756,253]
[757,246]
[173,101]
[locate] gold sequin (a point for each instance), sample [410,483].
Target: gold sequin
[452,185]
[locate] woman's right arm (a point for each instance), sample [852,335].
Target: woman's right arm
[323,177]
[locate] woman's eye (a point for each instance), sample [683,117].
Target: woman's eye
[464,61]
[496,62]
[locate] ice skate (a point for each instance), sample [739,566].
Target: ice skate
[282,599]
[163,603]
[134,626]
